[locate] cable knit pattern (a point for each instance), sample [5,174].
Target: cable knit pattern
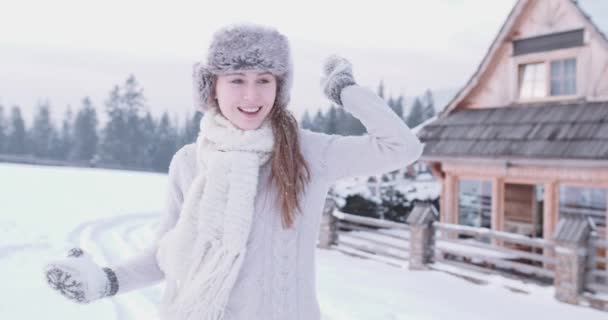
[284,285]
[277,278]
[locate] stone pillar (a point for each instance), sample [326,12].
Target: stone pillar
[422,236]
[571,248]
[328,232]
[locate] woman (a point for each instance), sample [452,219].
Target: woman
[238,237]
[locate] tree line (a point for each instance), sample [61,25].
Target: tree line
[132,138]
[335,120]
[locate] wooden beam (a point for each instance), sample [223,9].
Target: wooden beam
[551,205]
[450,206]
[498,203]
[597,177]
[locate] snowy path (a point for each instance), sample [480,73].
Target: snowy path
[108,240]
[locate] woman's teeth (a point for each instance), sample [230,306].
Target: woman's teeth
[250,110]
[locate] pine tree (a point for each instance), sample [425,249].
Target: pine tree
[415,117]
[191,129]
[3,131]
[149,142]
[354,125]
[43,134]
[306,121]
[341,123]
[331,121]
[17,141]
[429,105]
[398,106]
[66,136]
[111,147]
[165,142]
[318,122]
[85,137]
[138,127]
[391,102]
[381,89]
[123,139]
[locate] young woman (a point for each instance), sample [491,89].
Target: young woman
[238,236]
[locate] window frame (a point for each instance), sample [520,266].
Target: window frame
[546,58]
[563,78]
[547,65]
[480,180]
[582,186]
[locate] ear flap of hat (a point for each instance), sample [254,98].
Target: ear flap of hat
[201,83]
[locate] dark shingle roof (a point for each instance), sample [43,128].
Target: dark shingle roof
[576,130]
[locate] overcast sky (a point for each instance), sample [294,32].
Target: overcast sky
[64,50]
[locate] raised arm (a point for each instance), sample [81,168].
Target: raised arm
[388,145]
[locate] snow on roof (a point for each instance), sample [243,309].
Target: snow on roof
[420,126]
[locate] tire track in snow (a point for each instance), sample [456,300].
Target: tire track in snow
[108,241]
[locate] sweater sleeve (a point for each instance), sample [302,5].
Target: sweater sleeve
[142,270]
[388,145]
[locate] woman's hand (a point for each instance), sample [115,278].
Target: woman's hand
[337,75]
[80,279]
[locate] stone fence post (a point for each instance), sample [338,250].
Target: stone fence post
[422,236]
[571,250]
[328,232]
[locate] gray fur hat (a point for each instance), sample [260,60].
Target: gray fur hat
[244,47]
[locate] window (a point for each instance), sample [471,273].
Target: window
[475,203]
[563,77]
[584,201]
[532,81]
[548,78]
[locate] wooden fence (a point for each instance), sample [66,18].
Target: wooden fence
[596,278]
[574,260]
[364,237]
[488,249]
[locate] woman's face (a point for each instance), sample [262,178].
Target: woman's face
[246,98]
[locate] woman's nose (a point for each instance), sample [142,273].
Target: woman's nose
[250,93]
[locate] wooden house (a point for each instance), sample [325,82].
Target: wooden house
[525,141]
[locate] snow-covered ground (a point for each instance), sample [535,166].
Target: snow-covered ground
[45,210]
[424,188]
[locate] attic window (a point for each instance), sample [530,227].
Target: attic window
[532,81]
[552,78]
[563,77]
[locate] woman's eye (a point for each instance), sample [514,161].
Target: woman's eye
[236,81]
[263,81]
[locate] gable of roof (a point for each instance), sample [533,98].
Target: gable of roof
[600,13]
[596,11]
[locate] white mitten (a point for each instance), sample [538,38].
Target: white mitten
[79,278]
[337,75]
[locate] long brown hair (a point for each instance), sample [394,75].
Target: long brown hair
[290,172]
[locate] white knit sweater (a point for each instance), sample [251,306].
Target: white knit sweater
[277,280]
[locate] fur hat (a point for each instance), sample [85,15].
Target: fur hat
[244,47]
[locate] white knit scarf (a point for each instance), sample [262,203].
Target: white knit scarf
[202,255]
